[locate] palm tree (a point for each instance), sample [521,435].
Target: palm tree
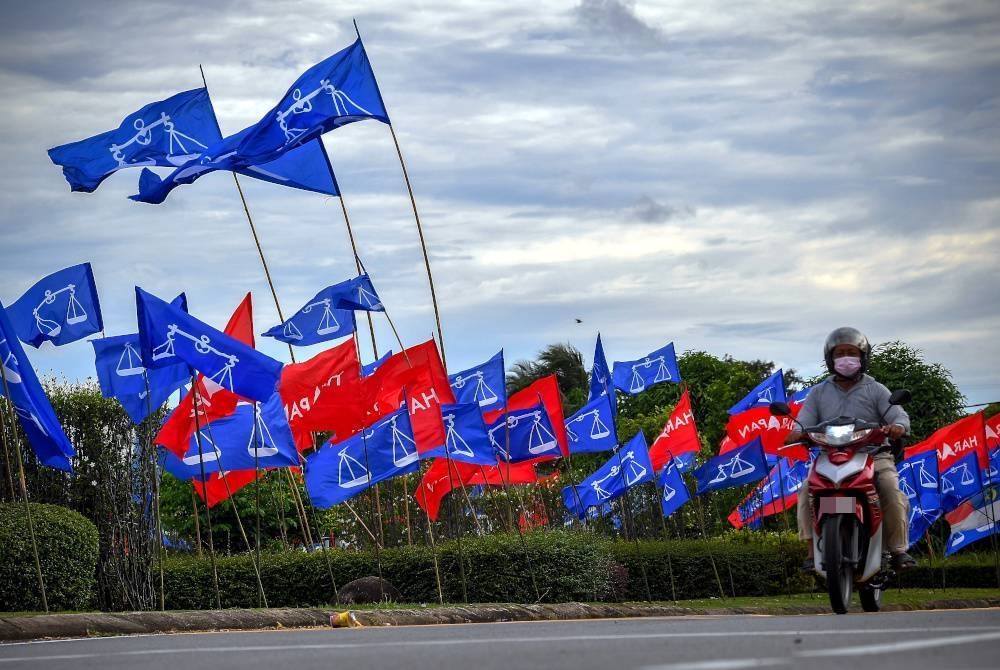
[561,359]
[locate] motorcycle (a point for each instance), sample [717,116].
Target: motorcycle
[846,513]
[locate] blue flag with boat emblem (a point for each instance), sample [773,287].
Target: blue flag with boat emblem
[319,320]
[592,428]
[339,471]
[169,335]
[31,405]
[482,384]
[60,308]
[656,367]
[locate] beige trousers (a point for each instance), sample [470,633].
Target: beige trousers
[895,507]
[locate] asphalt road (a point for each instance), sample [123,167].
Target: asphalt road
[945,640]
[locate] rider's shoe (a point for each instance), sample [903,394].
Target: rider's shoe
[903,560]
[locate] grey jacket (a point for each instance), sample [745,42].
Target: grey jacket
[866,400]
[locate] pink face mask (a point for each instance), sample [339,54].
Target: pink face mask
[847,366]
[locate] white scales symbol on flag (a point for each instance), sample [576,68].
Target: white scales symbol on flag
[737,467]
[598,429]
[634,471]
[75,313]
[224,377]
[304,105]
[10,371]
[483,394]
[662,373]
[144,135]
[540,438]
[327,323]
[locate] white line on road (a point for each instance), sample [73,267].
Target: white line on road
[547,639]
[859,650]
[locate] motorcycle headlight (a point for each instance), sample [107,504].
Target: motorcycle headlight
[840,435]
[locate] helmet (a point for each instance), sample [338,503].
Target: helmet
[847,335]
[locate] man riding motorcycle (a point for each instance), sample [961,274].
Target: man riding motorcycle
[848,391]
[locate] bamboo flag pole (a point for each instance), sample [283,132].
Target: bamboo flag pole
[24,487]
[420,231]
[208,510]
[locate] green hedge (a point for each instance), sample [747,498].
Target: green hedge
[67,549]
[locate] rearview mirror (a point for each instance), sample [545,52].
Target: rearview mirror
[780,409]
[900,397]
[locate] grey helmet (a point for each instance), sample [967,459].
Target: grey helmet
[847,335]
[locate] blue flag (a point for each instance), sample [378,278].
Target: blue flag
[918,480]
[991,473]
[319,320]
[367,369]
[974,520]
[673,492]
[636,376]
[628,467]
[60,308]
[337,472]
[31,405]
[357,294]
[255,435]
[600,374]
[522,435]
[740,466]
[332,93]
[168,335]
[483,384]
[168,133]
[770,390]
[592,428]
[960,481]
[122,375]
[466,439]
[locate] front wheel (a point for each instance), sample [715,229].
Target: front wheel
[839,572]
[871,598]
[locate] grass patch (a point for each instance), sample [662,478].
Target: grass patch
[891,597]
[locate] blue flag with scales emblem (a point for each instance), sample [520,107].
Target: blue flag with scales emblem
[740,466]
[636,376]
[918,480]
[332,93]
[31,405]
[600,374]
[592,428]
[168,133]
[60,308]
[522,435]
[337,472]
[466,439]
[121,375]
[628,467]
[770,390]
[483,384]
[673,491]
[169,335]
[256,435]
[319,320]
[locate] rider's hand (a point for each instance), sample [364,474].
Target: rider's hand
[893,431]
[793,437]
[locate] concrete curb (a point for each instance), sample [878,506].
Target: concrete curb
[130,623]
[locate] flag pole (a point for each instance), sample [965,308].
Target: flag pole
[151,449]
[8,404]
[208,509]
[6,455]
[420,229]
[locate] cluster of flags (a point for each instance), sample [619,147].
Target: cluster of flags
[245,412]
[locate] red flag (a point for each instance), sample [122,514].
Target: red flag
[956,440]
[214,489]
[759,422]
[993,432]
[214,402]
[679,435]
[545,390]
[419,373]
[323,393]
[437,482]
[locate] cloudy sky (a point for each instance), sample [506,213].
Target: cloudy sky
[735,177]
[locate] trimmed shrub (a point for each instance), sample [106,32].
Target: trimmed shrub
[67,552]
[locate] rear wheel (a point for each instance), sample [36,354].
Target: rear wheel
[839,572]
[871,598]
